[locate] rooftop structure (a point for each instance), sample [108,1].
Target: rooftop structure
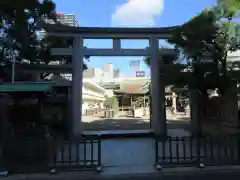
[132,86]
[67,19]
[63,18]
[102,75]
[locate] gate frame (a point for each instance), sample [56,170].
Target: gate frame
[78,52]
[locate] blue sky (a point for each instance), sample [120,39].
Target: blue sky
[129,13]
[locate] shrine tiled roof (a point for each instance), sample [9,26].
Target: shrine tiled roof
[133,86]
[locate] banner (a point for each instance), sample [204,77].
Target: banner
[135,65]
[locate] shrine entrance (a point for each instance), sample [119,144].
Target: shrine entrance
[78,52]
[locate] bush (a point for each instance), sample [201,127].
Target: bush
[111,102]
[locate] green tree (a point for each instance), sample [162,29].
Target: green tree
[209,36]
[19,24]
[49,42]
[18,27]
[227,9]
[172,68]
[111,102]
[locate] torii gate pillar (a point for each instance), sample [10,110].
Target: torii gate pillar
[76,98]
[158,90]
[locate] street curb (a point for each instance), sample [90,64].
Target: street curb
[176,171]
[76,175]
[71,175]
[190,170]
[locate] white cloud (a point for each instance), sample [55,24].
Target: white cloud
[137,13]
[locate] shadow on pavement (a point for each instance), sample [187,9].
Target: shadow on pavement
[129,124]
[116,124]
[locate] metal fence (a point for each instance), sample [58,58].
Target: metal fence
[207,150]
[81,154]
[40,155]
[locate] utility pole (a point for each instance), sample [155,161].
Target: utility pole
[13,67]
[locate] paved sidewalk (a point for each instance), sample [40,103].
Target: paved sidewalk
[208,173]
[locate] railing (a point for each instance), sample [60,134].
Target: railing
[207,150]
[80,154]
[41,155]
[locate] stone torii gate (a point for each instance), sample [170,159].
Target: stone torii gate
[78,52]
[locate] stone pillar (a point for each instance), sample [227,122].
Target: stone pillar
[174,102]
[188,111]
[77,68]
[101,105]
[158,90]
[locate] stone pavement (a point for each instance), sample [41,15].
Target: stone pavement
[125,121]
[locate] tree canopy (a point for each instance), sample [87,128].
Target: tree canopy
[19,26]
[206,40]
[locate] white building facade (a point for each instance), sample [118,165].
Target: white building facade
[63,18]
[233,60]
[93,96]
[107,74]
